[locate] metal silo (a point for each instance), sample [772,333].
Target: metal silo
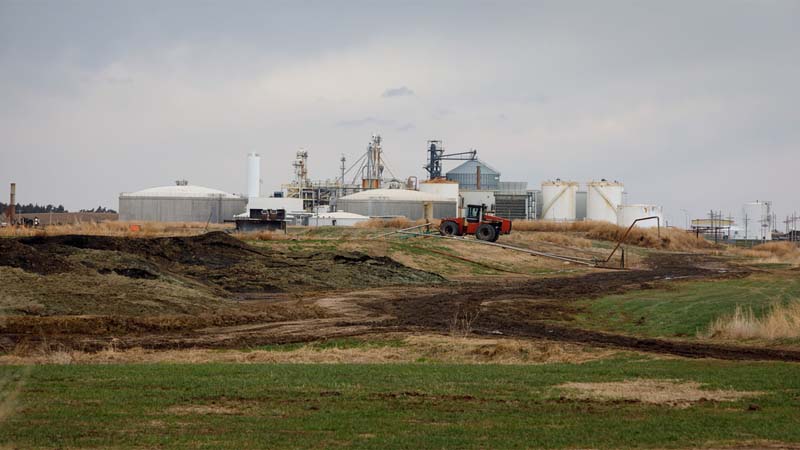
[558,198]
[475,175]
[603,198]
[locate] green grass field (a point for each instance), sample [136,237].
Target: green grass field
[382,406]
[685,309]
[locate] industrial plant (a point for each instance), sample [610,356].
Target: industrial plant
[369,189]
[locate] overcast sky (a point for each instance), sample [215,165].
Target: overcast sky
[693,104]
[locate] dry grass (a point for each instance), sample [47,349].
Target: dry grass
[658,392]
[122,229]
[670,239]
[396,222]
[462,321]
[781,321]
[436,348]
[265,236]
[564,239]
[771,253]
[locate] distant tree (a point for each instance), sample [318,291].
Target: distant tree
[100,209]
[31,208]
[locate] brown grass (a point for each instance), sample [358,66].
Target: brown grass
[670,239]
[122,229]
[781,321]
[771,252]
[435,348]
[396,222]
[659,392]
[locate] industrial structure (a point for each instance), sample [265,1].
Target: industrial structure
[181,202]
[386,203]
[436,155]
[559,200]
[757,221]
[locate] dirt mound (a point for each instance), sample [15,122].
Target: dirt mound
[106,275]
[30,259]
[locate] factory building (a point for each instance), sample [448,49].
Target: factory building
[397,203]
[180,203]
[479,183]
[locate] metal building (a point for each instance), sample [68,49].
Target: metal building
[475,175]
[180,203]
[395,203]
[513,201]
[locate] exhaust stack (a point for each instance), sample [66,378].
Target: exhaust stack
[12,204]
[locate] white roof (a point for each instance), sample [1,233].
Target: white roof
[397,195]
[179,191]
[341,215]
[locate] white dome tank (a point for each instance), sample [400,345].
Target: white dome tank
[756,218]
[558,200]
[626,214]
[602,199]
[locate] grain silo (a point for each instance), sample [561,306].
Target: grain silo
[180,203]
[475,175]
[396,203]
[603,198]
[558,198]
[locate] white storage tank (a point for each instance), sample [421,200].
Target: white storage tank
[626,214]
[253,175]
[558,200]
[757,220]
[440,186]
[602,199]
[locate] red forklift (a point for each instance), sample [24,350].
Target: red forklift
[485,226]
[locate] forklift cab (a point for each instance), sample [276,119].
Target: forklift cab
[475,213]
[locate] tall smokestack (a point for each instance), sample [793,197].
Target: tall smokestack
[12,204]
[253,175]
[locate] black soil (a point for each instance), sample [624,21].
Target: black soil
[214,260]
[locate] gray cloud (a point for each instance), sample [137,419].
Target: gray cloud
[373,121]
[401,91]
[406,127]
[691,104]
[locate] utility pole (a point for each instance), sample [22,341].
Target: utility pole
[746,221]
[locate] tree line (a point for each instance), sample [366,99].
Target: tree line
[31,208]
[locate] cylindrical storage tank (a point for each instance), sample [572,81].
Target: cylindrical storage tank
[440,186]
[626,214]
[756,218]
[253,175]
[602,199]
[558,200]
